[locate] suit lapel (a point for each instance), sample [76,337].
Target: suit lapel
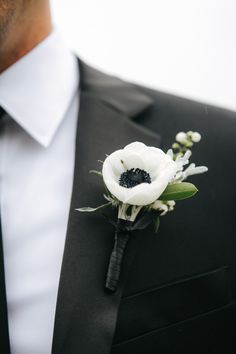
[86,314]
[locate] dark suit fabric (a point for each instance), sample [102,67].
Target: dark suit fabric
[178,287]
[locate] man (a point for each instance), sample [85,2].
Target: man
[58,117]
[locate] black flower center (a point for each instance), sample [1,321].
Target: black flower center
[133,177]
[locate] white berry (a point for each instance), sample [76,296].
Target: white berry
[181,137]
[196,137]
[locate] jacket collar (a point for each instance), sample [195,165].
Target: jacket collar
[121,96]
[86,314]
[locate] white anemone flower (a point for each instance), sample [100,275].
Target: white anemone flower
[138,174]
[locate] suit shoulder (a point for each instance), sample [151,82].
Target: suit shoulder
[170,104]
[154,105]
[171,113]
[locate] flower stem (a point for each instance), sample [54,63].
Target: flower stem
[116,258]
[122,212]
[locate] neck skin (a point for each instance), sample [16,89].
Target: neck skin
[27,32]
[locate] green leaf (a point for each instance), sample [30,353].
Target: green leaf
[156,224]
[91,210]
[178,191]
[95,172]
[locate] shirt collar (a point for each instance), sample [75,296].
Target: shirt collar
[37,90]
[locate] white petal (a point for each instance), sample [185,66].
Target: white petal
[112,167]
[132,159]
[170,153]
[153,161]
[145,193]
[168,172]
[156,161]
[118,191]
[135,147]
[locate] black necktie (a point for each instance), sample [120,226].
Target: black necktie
[4,333]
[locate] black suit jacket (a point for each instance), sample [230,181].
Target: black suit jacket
[178,287]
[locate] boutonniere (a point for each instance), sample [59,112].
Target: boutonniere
[143,183]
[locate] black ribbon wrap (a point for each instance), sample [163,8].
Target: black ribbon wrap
[116,258]
[123,231]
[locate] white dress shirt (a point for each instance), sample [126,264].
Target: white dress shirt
[37,151]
